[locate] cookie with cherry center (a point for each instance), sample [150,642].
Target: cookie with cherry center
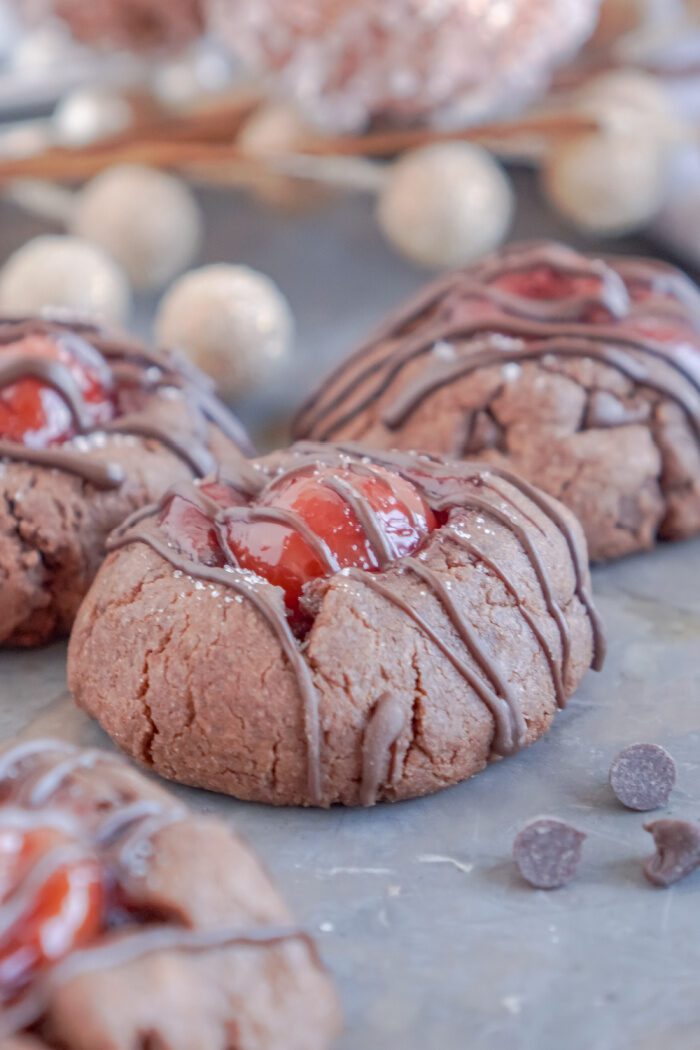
[115,900]
[332,625]
[92,426]
[582,373]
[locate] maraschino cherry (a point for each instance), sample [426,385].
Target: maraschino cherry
[546,283]
[286,552]
[33,413]
[283,555]
[192,530]
[64,913]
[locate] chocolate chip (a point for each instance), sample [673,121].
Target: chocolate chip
[677,851]
[642,776]
[547,852]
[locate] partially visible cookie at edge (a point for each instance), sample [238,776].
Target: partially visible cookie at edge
[171,933]
[92,426]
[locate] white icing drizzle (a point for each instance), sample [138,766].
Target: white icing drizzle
[128,948]
[20,901]
[21,819]
[35,772]
[115,823]
[51,781]
[9,760]
[137,845]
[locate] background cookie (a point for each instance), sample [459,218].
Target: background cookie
[165,931]
[92,426]
[414,620]
[582,373]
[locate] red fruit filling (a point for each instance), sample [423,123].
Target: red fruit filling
[546,284]
[193,531]
[64,913]
[32,412]
[57,895]
[542,282]
[320,532]
[286,555]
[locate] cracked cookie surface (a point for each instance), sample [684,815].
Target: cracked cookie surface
[160,928]
[582,374]
[92,426]
[404,675]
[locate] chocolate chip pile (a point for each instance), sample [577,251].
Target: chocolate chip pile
[547,852]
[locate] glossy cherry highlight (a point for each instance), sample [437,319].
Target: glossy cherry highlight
[310,525]
[62,912]
[34,413]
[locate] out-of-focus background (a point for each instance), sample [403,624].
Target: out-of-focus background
[327,158]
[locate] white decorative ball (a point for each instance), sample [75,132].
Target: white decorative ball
[273,130]
[147,220]
[629,100]
[89,114]
[233,322]
[677,225]
[607,183]
[64,275]
[445,205]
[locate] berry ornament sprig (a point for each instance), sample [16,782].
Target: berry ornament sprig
[443,197]
[385,80]
[613,180]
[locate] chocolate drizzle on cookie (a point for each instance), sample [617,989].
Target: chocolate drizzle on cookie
[448,489]
[480,325]
[384,726]
[120,365]
[124,827]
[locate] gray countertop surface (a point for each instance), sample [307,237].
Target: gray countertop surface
[419,912]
